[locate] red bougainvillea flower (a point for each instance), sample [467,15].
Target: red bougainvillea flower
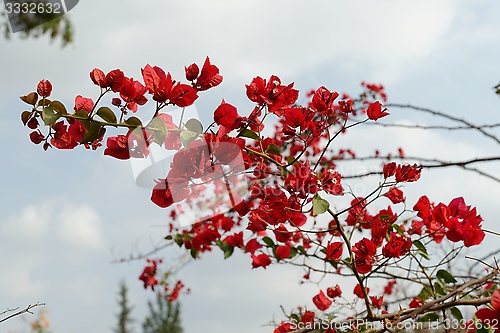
[132,92]
[416,303]
[374,111]
[389,287]
[407,173]
[44,88]
[283,251]
[252,246]
[118,147]
[98,77]
[321,301]
[82,103]
[491,315]
[377,301]
[62,139]
[175,293]
[395,195]
[323,99]
[390,169]
[273,93]
[359,292]
[333,251]
[225,114]
[192,72]
[334,292]
[209,76]
[37,137]
[148,274]
[262,260]
[397,246]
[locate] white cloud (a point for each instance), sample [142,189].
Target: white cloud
[80,226]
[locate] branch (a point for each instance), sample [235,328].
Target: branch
[27,310]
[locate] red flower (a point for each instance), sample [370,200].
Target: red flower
[397,246]
[36,137]
[390,169]
[407,173]
[308,317]
[183,95]
[192,72]
[82,103]
[359,292]
[235,240]
[323,99]
[209,76]
[375,112]
[148,274]
[252,246]
[276,96]
[377,301]
[118,147]
[114,80]
[389,286]
[225,115]
[283,251]
[333,251]
[97,76]
[416,303]
[132,92]
[262,260]
[334,292]
[44,88]
[365,249]
[395,195]
[491,315]
[423,207]
[321,301]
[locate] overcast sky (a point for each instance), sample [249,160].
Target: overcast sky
[66,214]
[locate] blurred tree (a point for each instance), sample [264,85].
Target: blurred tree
[164,317]
[123,316]
[56,27]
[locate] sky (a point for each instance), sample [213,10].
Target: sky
[66,215]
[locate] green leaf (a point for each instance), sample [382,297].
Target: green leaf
[421,249]
[249,134]
[187,137]
[44,102]
[158,130]
[49,116]
[133,122]
[445,276]
[58,107]
[440,288]
[30,99]
[301,250]
[228,251]
[194,125]
[268,241]
[178,239]
[398,229]
[169,237]
[81,114]
[93,132]
[425,293]
[194,253]
[429,317]
[320,205]
[107,115]
[25,117]
[273,149]
[457,314]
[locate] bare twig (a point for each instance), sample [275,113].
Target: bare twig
[26,310]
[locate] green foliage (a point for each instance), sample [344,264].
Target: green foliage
[124,319]
[164,317]
[59,27]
